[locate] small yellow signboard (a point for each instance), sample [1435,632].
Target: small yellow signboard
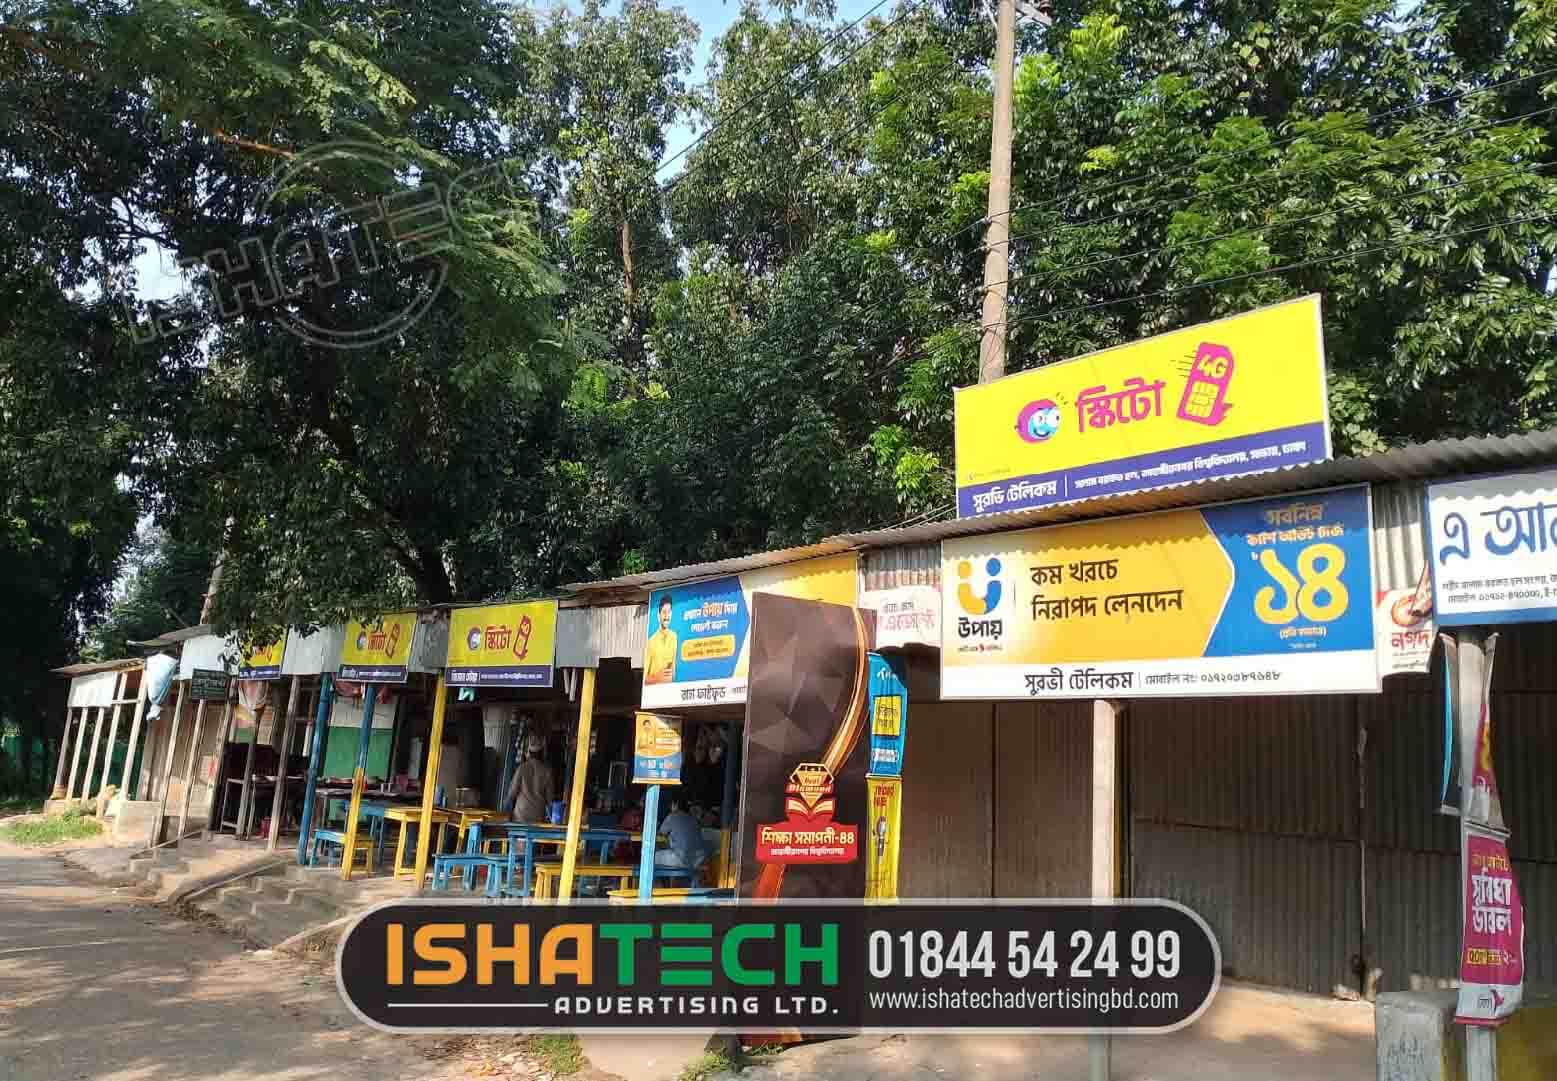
[264,662]
[656,749]
[885,797]
[378,650]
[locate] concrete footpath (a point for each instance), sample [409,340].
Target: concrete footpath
[102,986]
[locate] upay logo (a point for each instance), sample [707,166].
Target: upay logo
[979,603]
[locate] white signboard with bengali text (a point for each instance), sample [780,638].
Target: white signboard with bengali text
[905,616]
[1492,542]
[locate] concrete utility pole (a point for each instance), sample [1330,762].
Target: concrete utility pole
[997,247]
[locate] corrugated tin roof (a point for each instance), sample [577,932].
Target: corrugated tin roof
[1442,458]
[88,668]
[173,638]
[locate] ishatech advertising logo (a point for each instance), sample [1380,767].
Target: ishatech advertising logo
[820,967]
[980,627]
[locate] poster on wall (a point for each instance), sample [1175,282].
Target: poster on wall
[1270,596]
[1492,950]
[803,804]
[1405,629]
[378,650]
[263,662]
[656,749]
[905,616]
[1240,395]
[698,650]
[502,645]
[888,715]
[1493,546]
[885,797]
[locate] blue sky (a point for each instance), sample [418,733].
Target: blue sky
[157,270]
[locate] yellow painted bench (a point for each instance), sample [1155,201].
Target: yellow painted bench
[546,875]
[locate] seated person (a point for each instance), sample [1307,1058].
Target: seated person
[684,847]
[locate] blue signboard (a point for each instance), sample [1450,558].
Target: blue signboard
[888,716]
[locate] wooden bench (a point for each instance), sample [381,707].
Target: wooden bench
[364,846]
[546,874]
[496,869]
[673,895]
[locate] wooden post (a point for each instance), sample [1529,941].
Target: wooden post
[430,781]
[167,763]
[128,780]
[64,750]
[359,779]
[97,733]
[189,767]
[1105,843]
[277,801]
[113,729]
[586,708]
[75,760]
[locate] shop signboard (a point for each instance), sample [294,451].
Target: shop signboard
[208,685]
[264,662]
[656,749]
[698,653]
[1492,951]
[502,645]
[1270,596]
[378,650]
[1240,395]
[905,616]
[1493,546]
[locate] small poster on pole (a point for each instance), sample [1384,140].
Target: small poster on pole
[1492,959]
[656,749]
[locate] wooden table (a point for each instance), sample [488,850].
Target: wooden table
[407,817]
[544,833]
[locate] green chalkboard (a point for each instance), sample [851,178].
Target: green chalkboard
[208,684]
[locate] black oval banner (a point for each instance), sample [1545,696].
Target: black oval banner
[956,966]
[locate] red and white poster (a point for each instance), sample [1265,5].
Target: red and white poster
[1492,957]
[808,834]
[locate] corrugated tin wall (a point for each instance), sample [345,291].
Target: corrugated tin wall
[1399,542]
[948,800]
[585,636]
[1244,809]
[906,565]
[1043,787]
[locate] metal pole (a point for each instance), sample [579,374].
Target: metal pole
[128,780]
[315,756]
[1470,659]
[167,763]
[359,779]
[651,829]
[277,800]
[586,708]
[992,344]
[430,780]
[1105,844]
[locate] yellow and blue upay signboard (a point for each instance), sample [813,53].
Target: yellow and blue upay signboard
[378,650]
[1271,596]
[502,645]
[1238,395]
[698,652]
[656,749]
[264,662]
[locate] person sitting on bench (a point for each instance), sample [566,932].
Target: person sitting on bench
[684,849]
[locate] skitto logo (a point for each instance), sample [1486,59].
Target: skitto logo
[975,603]
[1038,421]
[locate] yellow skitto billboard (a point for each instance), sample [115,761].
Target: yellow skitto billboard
[502,645]
[1240,395]
[378,650]
[264,662]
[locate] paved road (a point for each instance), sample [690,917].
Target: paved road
[94,985]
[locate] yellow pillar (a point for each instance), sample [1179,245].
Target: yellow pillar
[430,782]
[586,708]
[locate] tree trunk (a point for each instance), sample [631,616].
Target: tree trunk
[632,348]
